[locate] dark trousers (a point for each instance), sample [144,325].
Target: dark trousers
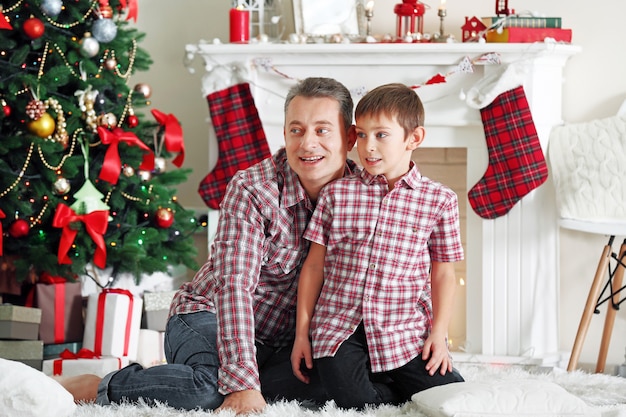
[348,380]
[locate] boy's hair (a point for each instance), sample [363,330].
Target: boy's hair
[393,100]
[313,87]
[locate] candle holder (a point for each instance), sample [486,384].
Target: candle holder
[369,13]
[442,13]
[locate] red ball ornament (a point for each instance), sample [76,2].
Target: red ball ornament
[164,218]
[6,110]
[33,28]
[132,121]
[19,228]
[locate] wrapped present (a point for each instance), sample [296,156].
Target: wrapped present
[17,322]
[112,323]
[150,350]
[29,352]
[83,362]
[54,350]
[62,306]
[157,308]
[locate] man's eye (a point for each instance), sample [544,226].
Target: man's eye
[295,131]
[322,131]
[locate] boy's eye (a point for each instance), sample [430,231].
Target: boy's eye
[381,135]
[360,135]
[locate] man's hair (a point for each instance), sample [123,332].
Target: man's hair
[393,100]
[314,87]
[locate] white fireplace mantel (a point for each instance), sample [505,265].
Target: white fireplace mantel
[512,262]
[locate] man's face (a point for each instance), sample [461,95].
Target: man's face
[316,141]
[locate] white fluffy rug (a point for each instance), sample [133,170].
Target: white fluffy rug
[606,394]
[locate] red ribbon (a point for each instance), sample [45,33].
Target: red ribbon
[4,23]
[100,318]
[112,164]
[132,9]
[59,304]
[57,365]
[173,135]
[95,224]
[2,216]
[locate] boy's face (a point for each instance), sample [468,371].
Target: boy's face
[383,147]
[316,141]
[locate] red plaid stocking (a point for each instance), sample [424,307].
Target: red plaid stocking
[516,162]
[240,138]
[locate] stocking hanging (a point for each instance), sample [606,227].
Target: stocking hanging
[516,162]
[240,138]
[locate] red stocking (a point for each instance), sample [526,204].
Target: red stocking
[240,138]
[516,162]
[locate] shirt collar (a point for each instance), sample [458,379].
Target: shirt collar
[412,178]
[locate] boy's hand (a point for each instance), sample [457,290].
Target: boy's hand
[301,351]
[436,352]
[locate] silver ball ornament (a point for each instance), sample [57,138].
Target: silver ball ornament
[145,175]
[128,171]
[89,46]
[52,7]
[104,30]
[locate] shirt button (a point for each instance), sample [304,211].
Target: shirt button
[366,298]
[372,266]
[415,229]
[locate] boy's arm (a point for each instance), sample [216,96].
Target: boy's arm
[309,287]
[443,286]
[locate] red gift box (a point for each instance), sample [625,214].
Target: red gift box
[62,306]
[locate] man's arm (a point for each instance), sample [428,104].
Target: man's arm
[309,288]
[443,284]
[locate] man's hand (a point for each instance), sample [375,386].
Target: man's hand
[244,402]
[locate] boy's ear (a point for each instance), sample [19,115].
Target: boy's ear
[351,137]
[416,138]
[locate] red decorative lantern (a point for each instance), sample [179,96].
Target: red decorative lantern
[410,17]
[502,8]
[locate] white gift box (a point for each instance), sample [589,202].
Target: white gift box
[112,323]
[72,367]
[150,351]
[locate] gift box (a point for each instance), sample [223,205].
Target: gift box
[156,309]
[83,362]
[54,350]
[112,323]
[150,350]
[17,322]
[29,352]
[62,306]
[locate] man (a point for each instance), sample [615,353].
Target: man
[229,336]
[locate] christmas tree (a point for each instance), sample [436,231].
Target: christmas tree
[87,173]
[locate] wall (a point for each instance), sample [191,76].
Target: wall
[594,88]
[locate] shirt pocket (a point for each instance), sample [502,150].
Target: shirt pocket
[280,265]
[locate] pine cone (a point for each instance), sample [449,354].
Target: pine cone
[35,109]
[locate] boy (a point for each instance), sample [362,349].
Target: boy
[379,241]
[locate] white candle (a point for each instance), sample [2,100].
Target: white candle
[442,6]
[369,6]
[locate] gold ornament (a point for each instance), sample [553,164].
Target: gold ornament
[144,89]
[61,186]
[42,127]
[107,120]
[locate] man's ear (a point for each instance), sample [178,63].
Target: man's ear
[351,137]
[416,138]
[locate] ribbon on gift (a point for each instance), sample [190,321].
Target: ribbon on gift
[59,304]
[95,225]
[112,164]
[57,365]
[173,135]
[100,318]
[2,216]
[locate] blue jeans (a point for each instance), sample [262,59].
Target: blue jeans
[351,384]
[189,379]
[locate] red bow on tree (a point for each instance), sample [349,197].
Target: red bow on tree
[173,135]
[112,164]
[95,224]
[4,23]
[133,9]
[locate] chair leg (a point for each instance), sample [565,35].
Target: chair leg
[590,306]
[609,321]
